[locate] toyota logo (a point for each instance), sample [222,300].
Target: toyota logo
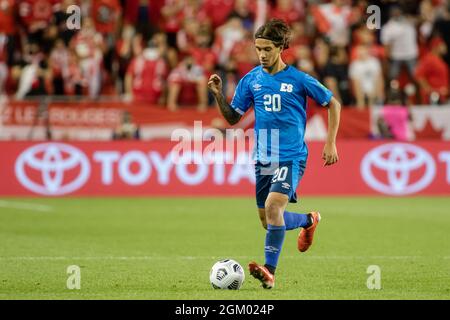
[52,169]
[398,168]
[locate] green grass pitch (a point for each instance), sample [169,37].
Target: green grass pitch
[163,248]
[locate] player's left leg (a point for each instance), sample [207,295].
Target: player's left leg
[306,235]
[286,181]
[292,220]
[307,221]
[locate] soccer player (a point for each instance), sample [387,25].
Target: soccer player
[278,93]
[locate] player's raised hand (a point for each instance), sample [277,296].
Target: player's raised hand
[215,84]
[329,154]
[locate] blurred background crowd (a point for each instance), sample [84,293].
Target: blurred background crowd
[163,51]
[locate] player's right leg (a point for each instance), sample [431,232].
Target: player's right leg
[274,208]
[264,185]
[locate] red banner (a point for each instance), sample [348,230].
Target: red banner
[95,120]
[97,114]
[148,169]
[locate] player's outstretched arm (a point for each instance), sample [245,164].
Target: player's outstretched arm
[215,85]
[329,154]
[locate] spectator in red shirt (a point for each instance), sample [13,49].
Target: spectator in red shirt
[106,15]
[432,73]
[36,16]
[187,34]
[226,36]
[8,9]
[7,15]
[202,52]
[89,47]
[146,74]
[145,15]
[364,36]
[334,20]
[130,45]
[171,14]
[287,10]
[175,12]
[218,11]
[187,85]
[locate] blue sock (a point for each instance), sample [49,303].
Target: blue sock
[294,220]
[274,242]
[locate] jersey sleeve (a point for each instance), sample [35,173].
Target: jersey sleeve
[243,97]
[316,90]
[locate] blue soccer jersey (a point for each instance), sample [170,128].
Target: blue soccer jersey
[279,102]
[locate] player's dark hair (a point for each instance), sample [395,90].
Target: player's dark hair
[276,31]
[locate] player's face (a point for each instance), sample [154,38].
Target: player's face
[268,53]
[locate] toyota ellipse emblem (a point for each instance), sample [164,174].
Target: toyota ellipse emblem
[52,169]
[406,168]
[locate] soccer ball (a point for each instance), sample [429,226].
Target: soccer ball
[227,274]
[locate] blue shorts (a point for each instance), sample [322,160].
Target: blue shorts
[283,178]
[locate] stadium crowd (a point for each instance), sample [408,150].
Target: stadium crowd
[163,51]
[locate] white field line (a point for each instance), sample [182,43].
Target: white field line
[25,206]
[32,258]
